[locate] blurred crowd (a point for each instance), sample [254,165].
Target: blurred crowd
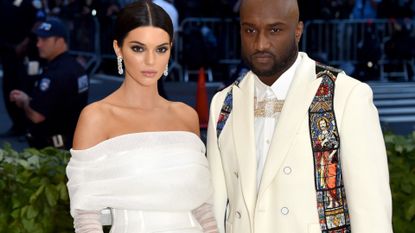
[68,9]
[104,11]
[321,9]
[202,46]
[357,9]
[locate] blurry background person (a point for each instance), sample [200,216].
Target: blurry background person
[59,94]
[17,19]
[171,11]
[365,9]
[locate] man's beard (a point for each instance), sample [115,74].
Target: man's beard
[277,67]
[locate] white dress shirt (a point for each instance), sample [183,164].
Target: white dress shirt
[268,103]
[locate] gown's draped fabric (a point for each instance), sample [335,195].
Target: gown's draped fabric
[151,181]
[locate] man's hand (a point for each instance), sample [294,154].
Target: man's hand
[22,101]
[20,98]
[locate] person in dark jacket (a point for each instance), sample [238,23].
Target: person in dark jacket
[17,19]
[59,94]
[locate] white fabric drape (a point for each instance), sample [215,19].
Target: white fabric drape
[154,171]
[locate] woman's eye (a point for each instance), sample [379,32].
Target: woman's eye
[137,48]
[162,49]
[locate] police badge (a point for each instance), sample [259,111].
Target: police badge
[44,84]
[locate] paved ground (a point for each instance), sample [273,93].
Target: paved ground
[395,102]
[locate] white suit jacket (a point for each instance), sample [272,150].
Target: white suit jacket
[286,199]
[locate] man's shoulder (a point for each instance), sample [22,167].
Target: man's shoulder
[225,95]
[223,91]
[66,59]
[337,72]
[68,66]
[342,80]
[320,67]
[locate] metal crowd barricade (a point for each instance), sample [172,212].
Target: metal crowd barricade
[84,41]
[223,31]
[106,39]
[338,42]
[220,39]
[335,42]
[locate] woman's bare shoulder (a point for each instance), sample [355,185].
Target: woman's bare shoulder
[90,129]
[187,115]
[93,112]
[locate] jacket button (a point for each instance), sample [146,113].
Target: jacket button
[287,170]
[236,174]
[238,214]
[285,210]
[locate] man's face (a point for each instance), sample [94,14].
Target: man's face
[323,125]
[47,47]
[270,33]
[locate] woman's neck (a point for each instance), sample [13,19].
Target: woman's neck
[139,96]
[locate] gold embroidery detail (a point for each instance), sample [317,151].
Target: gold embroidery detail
[268,107]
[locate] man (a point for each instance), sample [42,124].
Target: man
[275,167]
[60,93]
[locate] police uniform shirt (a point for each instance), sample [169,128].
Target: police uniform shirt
[60,94]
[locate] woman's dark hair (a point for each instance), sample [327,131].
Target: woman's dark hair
[138,14]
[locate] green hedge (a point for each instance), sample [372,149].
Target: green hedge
[401,158]
[33,194]
[34,198]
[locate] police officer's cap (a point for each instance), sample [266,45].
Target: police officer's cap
[52,27]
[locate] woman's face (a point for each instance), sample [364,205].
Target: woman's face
[146,52]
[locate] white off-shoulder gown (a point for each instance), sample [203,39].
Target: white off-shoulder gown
[151,181]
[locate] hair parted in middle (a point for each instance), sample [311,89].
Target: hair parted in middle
[138,14]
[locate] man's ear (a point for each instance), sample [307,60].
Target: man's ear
[299,31]
[60,39]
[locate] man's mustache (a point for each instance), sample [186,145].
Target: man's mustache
[262,54]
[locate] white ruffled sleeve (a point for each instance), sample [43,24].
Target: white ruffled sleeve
[204,215]
[87,221]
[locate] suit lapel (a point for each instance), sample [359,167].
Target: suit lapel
[299,97]
[244,138]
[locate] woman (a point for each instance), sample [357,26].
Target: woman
[135,152]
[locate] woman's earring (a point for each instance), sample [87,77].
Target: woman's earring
[166,71]
[119,64]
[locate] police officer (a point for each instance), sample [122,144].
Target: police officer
[59,94]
